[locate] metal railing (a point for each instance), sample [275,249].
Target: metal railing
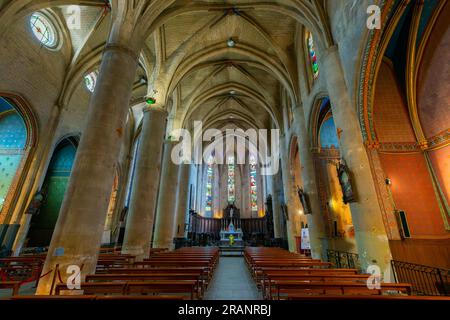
[343,259]
[425,280]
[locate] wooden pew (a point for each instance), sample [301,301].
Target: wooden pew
[367,297]
[180,286]
[269,278]
[134,287]
[287,265]
[22,268]
[302,288]
[94,297]
[14,285]
[200,284]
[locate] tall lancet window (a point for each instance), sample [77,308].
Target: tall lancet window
[312,55]
[209,185]
[231,180]
[253,187]
[91,80]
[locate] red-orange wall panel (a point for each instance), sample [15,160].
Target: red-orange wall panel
[413,192]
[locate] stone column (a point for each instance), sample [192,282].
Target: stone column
[370,233]
[183,199]
[78,232]
[288,194]
[198,188]
[167,200]
[139,226]
[276,206]
[315,220]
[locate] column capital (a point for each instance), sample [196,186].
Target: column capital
[154,109]
[121,48]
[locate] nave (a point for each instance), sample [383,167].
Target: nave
[143,143]
[203,273]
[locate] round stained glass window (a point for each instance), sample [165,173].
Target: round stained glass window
[43,29]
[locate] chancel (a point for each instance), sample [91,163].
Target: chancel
[223,150]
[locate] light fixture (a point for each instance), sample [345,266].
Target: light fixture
[388,181]
[232,92]
[231,43]
[150,101]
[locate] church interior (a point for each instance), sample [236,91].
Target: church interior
[224,150]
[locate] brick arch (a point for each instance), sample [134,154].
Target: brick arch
[391,118]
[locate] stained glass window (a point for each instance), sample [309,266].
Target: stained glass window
[43,29]
[312,56]
[209,185]
[231,180]
[253,188]
[90,80]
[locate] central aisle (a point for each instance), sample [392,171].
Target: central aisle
[232,281]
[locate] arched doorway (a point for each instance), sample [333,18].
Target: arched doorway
[53,189]
[17,141]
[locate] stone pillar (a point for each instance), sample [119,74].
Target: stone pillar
[315,220]
[276,206]
[139,226]
[183,199]
[167,200]
[78,232]
[288,194]
[198,188]
[370,233]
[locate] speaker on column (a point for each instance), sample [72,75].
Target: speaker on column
[403,224]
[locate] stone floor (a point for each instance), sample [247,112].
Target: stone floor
[232,281]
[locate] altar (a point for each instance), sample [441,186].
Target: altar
[231,236]
[231,233]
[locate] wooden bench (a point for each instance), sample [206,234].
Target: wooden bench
[268,280]
[22,268]
[93,298]
[200,284]
[301,288]
[14,285]
[127,288]
[263,272]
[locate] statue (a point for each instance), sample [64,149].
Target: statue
[36,203]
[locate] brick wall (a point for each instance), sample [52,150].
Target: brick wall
[433,90]
[391,117]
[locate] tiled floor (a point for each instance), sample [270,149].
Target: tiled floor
[232,281]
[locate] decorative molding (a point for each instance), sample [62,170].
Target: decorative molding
[440,140]
[376,44]
[399,147]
